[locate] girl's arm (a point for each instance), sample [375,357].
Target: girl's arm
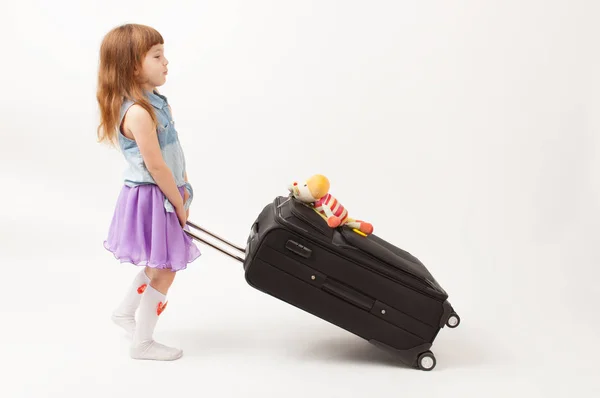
[139,123]
[186,196]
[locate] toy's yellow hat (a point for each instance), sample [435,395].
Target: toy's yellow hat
[318,185]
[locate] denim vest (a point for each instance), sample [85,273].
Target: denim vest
[136,173]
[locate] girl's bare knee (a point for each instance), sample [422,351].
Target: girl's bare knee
[149,272]
[163,275]
[162,279]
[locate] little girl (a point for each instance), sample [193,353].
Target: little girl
[147,227]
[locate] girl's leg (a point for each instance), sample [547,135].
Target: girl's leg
[153,303]
[124,314]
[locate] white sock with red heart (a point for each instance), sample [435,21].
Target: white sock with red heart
[143,345]
[124,314]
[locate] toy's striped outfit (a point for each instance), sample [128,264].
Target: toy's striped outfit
[332,203]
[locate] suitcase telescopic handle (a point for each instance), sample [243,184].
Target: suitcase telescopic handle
[194,236]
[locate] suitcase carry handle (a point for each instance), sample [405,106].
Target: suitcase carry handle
[194,236]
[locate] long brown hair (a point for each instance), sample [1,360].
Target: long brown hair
[121,55]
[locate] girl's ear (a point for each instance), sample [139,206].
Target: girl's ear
[137,69]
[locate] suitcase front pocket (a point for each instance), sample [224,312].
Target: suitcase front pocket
[292,265]
[316,278]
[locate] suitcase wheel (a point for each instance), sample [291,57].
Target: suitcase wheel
[453,320]
[426,361]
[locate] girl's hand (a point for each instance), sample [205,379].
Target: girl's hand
[186,196]
[182,215]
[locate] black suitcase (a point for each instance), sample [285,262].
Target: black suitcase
[362,284]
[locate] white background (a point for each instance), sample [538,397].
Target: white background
[465,131]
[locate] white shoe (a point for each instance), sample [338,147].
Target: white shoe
[124,314]
[143,345]
[155,351]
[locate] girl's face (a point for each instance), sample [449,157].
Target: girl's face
[154,67]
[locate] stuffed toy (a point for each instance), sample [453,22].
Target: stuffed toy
[314,192]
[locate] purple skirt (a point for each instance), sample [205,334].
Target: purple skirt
[142,232]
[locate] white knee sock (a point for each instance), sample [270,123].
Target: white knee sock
[143,345]
[124,314]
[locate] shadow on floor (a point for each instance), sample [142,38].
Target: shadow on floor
[453,348]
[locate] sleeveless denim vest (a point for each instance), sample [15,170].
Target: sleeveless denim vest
[136,173]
